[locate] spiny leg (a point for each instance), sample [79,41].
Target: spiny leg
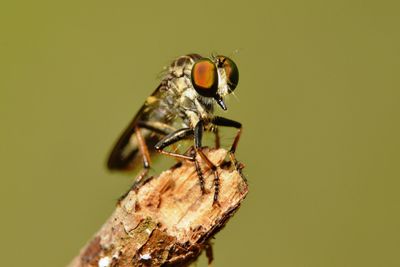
[144,151]
[199,174]
[198,134]
[221,121]
[173,138]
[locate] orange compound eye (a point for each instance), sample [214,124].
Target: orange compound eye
[231,71]
[205,77]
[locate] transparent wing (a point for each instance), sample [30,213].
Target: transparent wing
[124,155]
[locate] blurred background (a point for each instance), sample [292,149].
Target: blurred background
[318,97]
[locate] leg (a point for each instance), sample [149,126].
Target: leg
[146,162]
[198,134]
[220,121]
[217,139]
[145,153]
[173,138]
[199,174]
[209,253]
[157,127]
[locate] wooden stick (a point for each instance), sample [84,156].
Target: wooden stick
[167,221]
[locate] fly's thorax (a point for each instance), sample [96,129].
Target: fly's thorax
[195,107]
[183,65]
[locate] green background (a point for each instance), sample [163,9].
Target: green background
[318,97]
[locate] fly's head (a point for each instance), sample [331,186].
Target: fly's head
[215,78]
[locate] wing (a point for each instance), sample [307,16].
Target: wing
[124,154]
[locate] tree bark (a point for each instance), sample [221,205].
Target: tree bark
[167,221]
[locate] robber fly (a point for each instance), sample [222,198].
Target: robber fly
[181,107]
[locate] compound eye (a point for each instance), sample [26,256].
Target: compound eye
[205,77]
[231,71]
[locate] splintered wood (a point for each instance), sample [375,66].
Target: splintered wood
[167,221]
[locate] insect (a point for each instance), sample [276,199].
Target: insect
[181,107]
